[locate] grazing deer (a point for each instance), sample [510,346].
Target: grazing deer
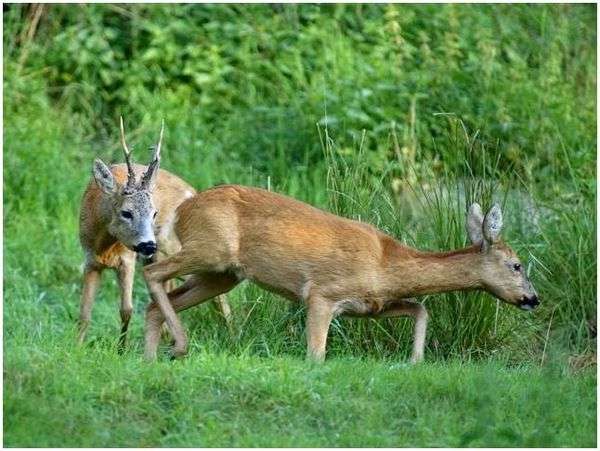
[333,264]
[127,209]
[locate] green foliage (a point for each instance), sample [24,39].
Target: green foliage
[521,73]
[398,115]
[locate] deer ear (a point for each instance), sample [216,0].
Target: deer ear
[104,177]
[492,224]
[475,224]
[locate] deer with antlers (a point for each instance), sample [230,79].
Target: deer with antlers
[332,264]
[128,209]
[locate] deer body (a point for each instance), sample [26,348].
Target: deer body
[149,197]
[333,264]
[314,251]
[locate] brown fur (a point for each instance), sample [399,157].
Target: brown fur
[333,264]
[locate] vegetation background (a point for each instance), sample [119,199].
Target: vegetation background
[400,115]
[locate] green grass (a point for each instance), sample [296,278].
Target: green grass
[400,115]
[91,397]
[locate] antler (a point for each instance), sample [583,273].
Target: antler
[130,174]
[153,166]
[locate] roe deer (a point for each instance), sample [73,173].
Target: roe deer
[127,209]
[333,264]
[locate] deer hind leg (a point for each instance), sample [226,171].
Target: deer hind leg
[197,289]
[319,314]
[91,282]
[409,307]
[125,273]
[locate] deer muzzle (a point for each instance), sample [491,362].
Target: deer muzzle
[529,302]
[147,248]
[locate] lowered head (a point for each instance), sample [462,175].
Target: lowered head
[502,273]
[132,208]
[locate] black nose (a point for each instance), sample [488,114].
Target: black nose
[532,301]
[146,248]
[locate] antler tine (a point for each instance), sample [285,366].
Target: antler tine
[154,163]
[127,152]
[160,138]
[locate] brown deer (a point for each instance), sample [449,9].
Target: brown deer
[127,209]
[332,264]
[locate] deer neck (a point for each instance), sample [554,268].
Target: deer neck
[415,273]
[103,240]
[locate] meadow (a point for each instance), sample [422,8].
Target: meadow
[397,115]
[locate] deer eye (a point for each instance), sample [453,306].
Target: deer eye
[154,215]
[126,214]
[517,267]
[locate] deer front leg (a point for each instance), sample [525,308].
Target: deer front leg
[318,318]
[168,285]
[406,307]
[91,281]
[156,274]
[195,290]
[125,273]
[159,296]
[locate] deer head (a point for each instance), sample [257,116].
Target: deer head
[502,273]
[132,209]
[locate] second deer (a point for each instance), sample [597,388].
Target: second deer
[332,264]
[125,209]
